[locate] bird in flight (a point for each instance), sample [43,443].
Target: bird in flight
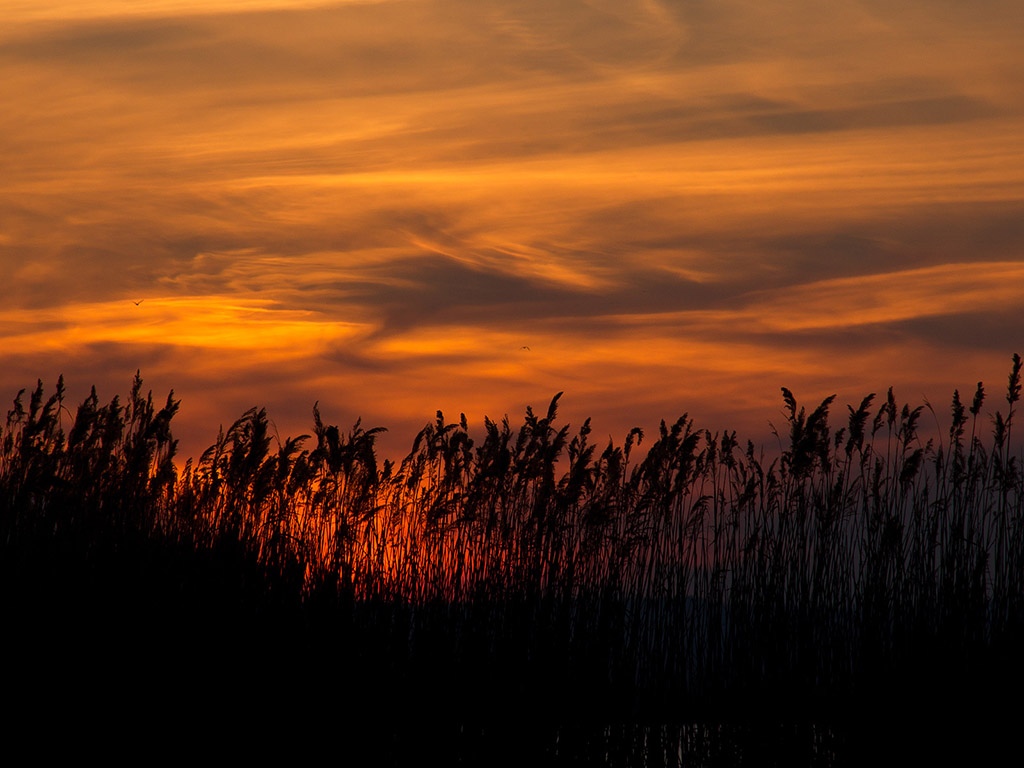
[136,303]
[524,347]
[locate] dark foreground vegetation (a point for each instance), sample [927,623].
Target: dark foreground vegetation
[526,597]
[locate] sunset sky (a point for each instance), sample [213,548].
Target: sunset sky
[393,207]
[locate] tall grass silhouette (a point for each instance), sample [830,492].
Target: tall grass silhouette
[531,573]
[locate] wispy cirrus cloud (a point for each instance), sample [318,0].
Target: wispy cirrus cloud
[381,204]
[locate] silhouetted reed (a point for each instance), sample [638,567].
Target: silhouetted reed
[701,580]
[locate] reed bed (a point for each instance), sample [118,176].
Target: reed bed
[704,579]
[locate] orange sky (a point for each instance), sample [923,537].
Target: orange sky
[676,206]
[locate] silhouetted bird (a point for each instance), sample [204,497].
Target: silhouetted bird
[136,303]
[524,347]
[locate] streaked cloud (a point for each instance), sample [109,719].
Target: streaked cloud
[674,205]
